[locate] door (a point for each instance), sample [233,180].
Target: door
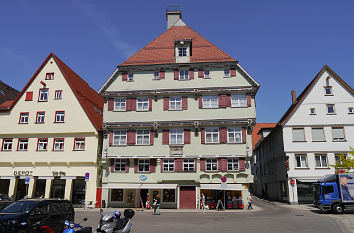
[143,195]
[58,189]
[78,191]
[39,190]
[187,197]
[21,190]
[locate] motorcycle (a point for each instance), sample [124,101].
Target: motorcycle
[112,223]
[70,227]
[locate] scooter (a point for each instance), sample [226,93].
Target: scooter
[70,227]
[112,223]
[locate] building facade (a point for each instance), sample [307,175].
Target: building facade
[50,135]
[177,118]
[312,135]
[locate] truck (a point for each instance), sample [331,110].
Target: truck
[334,193]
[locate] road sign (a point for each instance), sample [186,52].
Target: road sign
[142,178]
[292,182]
[223,186]
[27,180]
[87,176]
[223,179]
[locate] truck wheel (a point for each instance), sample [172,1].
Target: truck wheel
[337,209]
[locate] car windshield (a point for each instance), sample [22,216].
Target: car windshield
[20,207]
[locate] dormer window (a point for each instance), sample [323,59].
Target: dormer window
[130,77]
[182,51]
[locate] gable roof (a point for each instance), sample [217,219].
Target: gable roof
[257,137]
[7,92]
[162,49]
[304,93]
[89,99]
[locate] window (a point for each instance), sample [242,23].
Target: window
[232,164]
[176,136]
[188,165]
[321,160]
[330,109]
[234,135]
[58,94]
[24,117]
[119,165]
[182,51]
[42,144]
[210,101]
[212,135]
[117,195]
[156,75]
[318,134]
[298,134]
[338,134]
[40,117]
[58,144]
[43,95]
[120,137]
[175,103]
[120,104]
[227,72]
[7,144]
[340,157]
[168,165]
[22,144]
[328,90]
[312,111]
[130,77]
[169,195]
[144,165]
[49,76]
[327,189]
[29,96]
[59,117]
[206,74]
[143,104]
[301,161]
[79,144]
[183,74]
[238,100]
[211,164]
[143,137]
[350,110]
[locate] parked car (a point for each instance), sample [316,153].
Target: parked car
[21,216]
[5,200]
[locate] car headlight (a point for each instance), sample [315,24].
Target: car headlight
[72,225]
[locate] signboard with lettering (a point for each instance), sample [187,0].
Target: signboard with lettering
[23,173]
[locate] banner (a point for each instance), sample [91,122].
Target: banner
[346,182]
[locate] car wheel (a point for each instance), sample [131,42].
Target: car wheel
[337,209]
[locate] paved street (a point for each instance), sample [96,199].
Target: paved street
[268,218]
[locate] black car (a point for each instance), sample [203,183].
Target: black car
[28,214]
[5,200]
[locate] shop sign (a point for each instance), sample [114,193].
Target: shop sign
[23,173]
[60,173]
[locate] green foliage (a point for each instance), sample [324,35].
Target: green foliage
[345,164]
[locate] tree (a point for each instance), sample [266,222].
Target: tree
[345,164]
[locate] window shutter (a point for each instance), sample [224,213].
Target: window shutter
[112,165]
[222,101]
[110,104]
[152,165]
[200,101]
[131,134]
[223,165]
[127,165]
[223,135]
[248,97]
[133,104]
[243,134]
[128,106]
[166,103]
[165,137]
[135,165]
[178,165]
[29,96]
[176,74]
[187,136]
[110,138]
[150,104]
[152,134]
[200,73]
[191,73]
[228,100]
[195,165]
[202,135]
[162,74]
[184,103]
[202,165]
[233,72]
[219,165]
[125,77]
[161,165]
[242,163]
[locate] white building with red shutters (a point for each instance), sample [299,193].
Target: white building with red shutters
[177,118]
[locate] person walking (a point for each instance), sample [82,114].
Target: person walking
[203,202]
[249,200]
[157,205]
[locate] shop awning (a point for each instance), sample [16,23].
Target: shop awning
[218,186]
[138,186]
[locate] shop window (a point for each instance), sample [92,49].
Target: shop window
[211,164]
[169,195]
[117,195]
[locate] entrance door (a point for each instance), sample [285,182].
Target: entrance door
[187,198]
[4,186]
[143,195]
[58,189]
[39,190]
[21,191]
[78,193]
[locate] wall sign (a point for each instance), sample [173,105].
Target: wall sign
[60,173]
[23,173]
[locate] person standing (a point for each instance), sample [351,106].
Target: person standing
[249,200]
[157,205]
[203,202]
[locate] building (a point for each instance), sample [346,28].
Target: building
[310,137]
[177,118]
[7,93]
[50,133]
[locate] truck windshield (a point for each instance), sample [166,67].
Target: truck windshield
[20,207]
[317,189]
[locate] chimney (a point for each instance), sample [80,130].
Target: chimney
[173,14]
[293,96]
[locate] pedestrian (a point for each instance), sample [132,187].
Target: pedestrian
[203,202]
[249,200]
[157,205]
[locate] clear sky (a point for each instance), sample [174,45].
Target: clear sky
[283,44]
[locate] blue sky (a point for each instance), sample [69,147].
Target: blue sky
[282,44]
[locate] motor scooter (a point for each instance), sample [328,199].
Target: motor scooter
[112,223]
[70,227]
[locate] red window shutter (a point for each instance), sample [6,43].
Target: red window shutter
[191,73]
[200,73]
[243,135]
[187,136]
[219,165]
[195,165]
[200,101]
[131,137]
[166,103]
[178,165]
[162,74]
[128,104]
[248,97]
[29,96]
[184,103]
[135,165]
[223,165]
[233,72]
[110,104]
[150,104]
[165,137]
[202,165]
[133,104]
[223,135]
[161,165]
[222,101]
[242,163]
[228,100]
[112,165]
[202,135]
[152,134]
[152,165]
[176,74]
[127,165]
[111,138]
[124,76]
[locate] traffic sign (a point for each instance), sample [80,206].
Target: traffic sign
[292,182]
[142,178]
[27,180]
[223,179]
[87,176]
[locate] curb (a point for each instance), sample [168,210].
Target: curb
[264,200]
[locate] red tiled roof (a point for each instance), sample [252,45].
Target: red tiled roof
[255,136]
[6,105]
[161,50]
[90,100]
